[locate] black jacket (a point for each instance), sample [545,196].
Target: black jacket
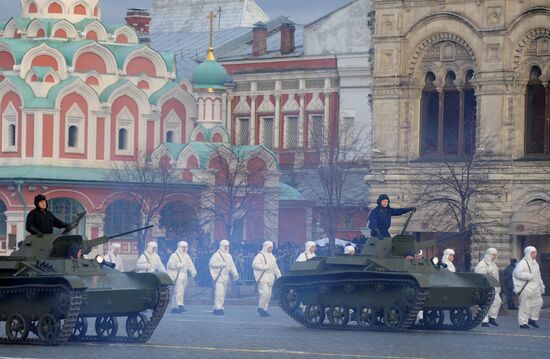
[42,221]
[380,218]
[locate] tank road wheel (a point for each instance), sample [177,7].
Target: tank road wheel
[80,328]
[314,314]
[461,317]
[433,318]
[338,315]
[17,327]
[106,327]
[367,317]
[48,328]
[135,324]
[394,317]
[290,299]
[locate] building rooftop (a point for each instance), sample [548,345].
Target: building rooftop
[190,15]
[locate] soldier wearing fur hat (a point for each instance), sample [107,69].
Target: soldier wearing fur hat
[40,221]
[380,217]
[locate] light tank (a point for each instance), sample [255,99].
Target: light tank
[380,290]
[46,297]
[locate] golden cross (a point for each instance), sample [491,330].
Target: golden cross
[211,16]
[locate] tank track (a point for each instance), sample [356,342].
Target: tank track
[69,316]
[148,329]
[411,314]
[476,320]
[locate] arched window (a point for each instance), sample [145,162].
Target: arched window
[537,132]
[73,137]
[3,220]
[122,139]
[170,137]
[144,85]
[122,216]
[32,8]
[40,33]
[448,116]
[9,129]
[92,81]
[55,8]
[66,209]
[12,133]
[79,10]
[122,39]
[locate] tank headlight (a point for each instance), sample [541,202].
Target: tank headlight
[99,259]
[435,261]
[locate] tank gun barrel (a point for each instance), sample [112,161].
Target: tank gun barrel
[88,245]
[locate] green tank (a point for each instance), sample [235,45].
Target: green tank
[46,297]
[381,290]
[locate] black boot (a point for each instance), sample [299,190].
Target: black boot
[182,309]
[218,312]
[175,311]
[263,313]
[524,326]
[493,322]
[485,325]
[533,323]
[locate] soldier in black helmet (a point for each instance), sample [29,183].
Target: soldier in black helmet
[380,217]
[40,221]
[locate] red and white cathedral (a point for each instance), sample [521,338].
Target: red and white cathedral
[78,97]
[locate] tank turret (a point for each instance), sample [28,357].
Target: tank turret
[47,296]
[382,290]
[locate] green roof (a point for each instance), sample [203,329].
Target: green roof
[29,98]
[110,89]
[18,47]
[2,25]
[22,22]
[288,193]
[155,97]
[210,75]
[54,173]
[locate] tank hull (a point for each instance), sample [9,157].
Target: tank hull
[69,293]
[394,301]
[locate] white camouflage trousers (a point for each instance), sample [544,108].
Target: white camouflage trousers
[495,307]
[265,289]
[220,289]
[179,292]
[529,307]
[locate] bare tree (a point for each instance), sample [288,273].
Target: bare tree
[338,182]
[149,185]
[237,185]
[455,194]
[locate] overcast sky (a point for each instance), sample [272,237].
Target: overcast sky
[300,11]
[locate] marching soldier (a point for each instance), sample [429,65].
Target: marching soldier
[149,261]
[266,272]
[179,265]
[221,267]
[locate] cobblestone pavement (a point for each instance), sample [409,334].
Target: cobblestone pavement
[241,333]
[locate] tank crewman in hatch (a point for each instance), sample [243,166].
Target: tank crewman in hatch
[40,221]
[308,253]
[380,217]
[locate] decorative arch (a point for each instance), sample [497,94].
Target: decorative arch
[36,29]
[12,30]
[54,7]
[31,8]
[122,215]
[145,60]
[92,80]
[446,15]
[64,29]
[94,57]
[127,33]
[99,29]
[433,39]
[80,8]
[137,95]
[78,196]
[525,41]
[79,87]
[43,56]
